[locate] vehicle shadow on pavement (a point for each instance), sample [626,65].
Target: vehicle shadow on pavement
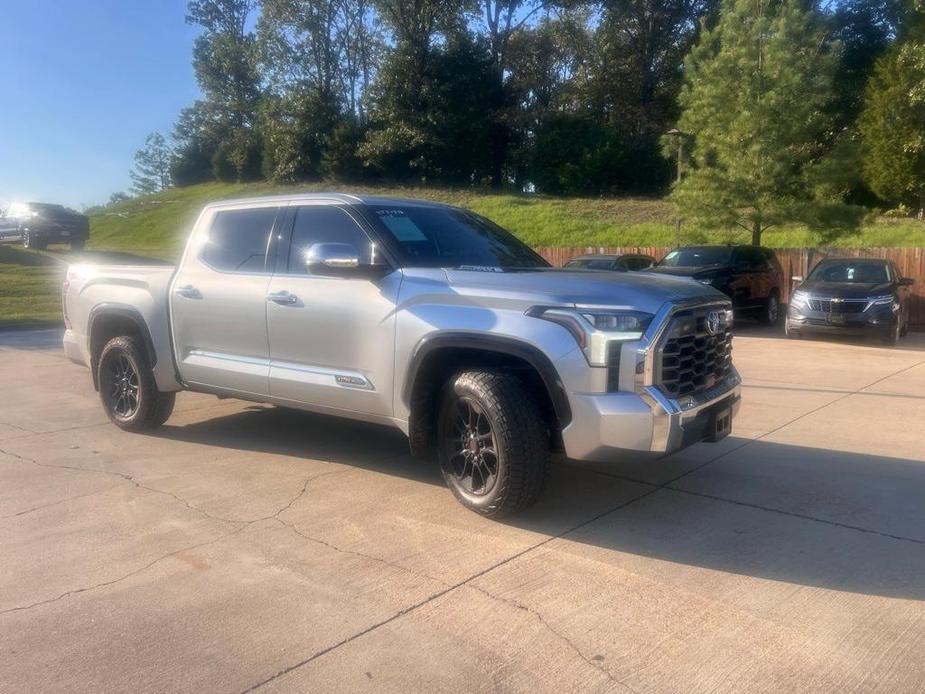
[768,511]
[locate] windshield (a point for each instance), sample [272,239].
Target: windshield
[448,237]
[850,271]
[697,257]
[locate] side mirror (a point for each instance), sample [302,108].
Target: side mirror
[906,282]
[332,256]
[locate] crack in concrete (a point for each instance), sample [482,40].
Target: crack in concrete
[16,426]
[242,525]
[131,480]
[113,581]
[440,593]
[562,637]
[59,501]
[371,557]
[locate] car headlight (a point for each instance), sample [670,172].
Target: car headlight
[799,299]
[885,300]
[594,329]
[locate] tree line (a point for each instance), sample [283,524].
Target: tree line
[765,111]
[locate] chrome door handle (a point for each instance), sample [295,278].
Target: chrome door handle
[188,291]
[282,297]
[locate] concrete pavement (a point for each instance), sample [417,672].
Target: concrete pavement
[244,547]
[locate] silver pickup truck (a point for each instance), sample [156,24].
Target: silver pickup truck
[416,315]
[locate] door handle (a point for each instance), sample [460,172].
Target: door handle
[188,291]
[283,297]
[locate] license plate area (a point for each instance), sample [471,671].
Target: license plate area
[835,318]
[720,425]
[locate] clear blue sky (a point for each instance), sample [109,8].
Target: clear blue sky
[82,82]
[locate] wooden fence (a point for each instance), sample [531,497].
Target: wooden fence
[796,262]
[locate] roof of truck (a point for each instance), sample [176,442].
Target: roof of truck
[345,198]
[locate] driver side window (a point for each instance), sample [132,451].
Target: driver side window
[324,224]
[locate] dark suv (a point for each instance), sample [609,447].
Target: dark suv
[750,275]
[852,296]
[39,223]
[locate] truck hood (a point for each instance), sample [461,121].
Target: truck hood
[640,291]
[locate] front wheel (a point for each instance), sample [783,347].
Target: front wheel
[127,388]
[771,311]
[493,445]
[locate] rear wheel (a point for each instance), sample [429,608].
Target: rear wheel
[493,445]
[770,313]
[127,388]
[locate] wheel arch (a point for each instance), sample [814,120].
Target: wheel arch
[109,320]
[435,358]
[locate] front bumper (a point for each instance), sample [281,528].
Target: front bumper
[605,426]
[878,320]
[639,416]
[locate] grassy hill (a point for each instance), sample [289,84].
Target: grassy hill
[157,225]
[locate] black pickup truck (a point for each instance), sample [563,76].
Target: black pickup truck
[38,224]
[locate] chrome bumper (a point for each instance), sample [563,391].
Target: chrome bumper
[605,426]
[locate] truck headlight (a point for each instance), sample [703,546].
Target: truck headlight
[594,329]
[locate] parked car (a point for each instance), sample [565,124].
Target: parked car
[750,275]
[38,224]
[852,296]
[614,262]
[416,315]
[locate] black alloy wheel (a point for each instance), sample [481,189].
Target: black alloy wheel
[127,387]
[472,449]
[122,387]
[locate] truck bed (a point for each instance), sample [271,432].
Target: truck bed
[130,290]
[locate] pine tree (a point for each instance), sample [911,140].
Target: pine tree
[892,124]
[754,102]
[152,166]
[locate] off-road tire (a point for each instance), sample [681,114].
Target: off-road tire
[152,407]
[770,313]
[520,436]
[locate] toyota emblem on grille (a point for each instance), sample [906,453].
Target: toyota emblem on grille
[713,322]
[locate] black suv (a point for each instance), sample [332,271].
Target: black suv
[38,224]
[750,275]
[852,296]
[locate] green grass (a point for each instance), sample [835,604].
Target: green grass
[156,226]
[30,289]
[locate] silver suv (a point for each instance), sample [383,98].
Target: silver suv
[416,315]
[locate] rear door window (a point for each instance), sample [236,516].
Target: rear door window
[238,240]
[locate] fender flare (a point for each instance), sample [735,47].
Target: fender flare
[107,309]
[492,343]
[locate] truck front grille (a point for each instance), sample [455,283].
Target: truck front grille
[696,351]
